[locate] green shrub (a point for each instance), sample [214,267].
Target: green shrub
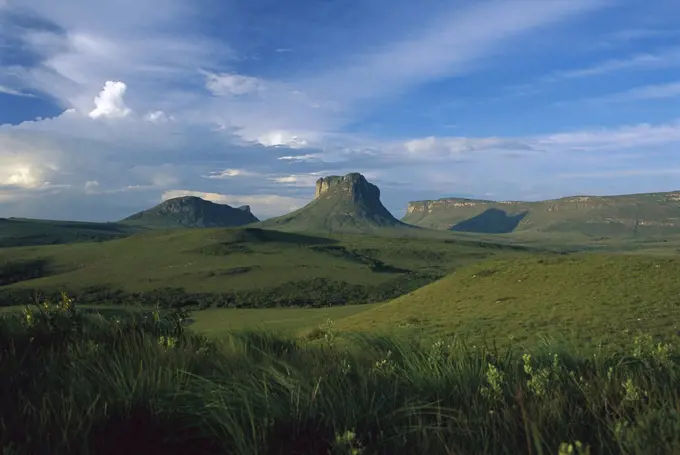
[313,293]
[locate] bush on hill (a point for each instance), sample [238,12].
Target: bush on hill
[16,271]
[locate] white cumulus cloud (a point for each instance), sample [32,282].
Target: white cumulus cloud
[307,157]
[20,175]
[91,186]
[278,138]
[110,103]
[227,84]
[227,173]
[301,180]
[157,117]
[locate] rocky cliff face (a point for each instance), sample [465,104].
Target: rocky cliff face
[354,186]
[186,204]
[426,207]
[573,203]
[629,212]
[341,203]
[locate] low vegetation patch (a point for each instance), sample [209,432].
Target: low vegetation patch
[16,271]
[74,383]
[373,264]
[313,293]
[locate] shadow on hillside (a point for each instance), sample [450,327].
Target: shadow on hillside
[242,241]
[256,235]
[491,221]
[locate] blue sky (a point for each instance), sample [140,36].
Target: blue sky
[109,107]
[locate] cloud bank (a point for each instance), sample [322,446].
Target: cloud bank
[154,106]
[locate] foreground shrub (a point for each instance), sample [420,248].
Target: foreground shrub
[83,384]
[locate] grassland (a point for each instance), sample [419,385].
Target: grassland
[440,368]
[241,267]
[285,321]
[505,294]
[586,297]
[76,384]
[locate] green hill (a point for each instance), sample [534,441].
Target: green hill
[26,232]
[586,296]
[191,212]
[236,267]
[587,217]
[341,204]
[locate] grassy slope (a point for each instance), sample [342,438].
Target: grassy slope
[221,321]
[336,214]
[221,260]
[587,296]
[24,232]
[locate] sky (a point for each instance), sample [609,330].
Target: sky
[108,108]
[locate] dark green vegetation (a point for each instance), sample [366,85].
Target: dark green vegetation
[579,217]
[191,212]
[82,384]
[14,272]
[587,297]
[238,267]
[24,232]
[341,204]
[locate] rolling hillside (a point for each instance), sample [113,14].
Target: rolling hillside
[591,297]
[594,217]
[240,267]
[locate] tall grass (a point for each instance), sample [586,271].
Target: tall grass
[82,384]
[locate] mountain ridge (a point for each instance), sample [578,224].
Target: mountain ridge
[616,215]
[191,212]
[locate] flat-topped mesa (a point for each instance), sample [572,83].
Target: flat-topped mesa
[595,216]
[430,205]
[341,204]
[569,203]
[354,186]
